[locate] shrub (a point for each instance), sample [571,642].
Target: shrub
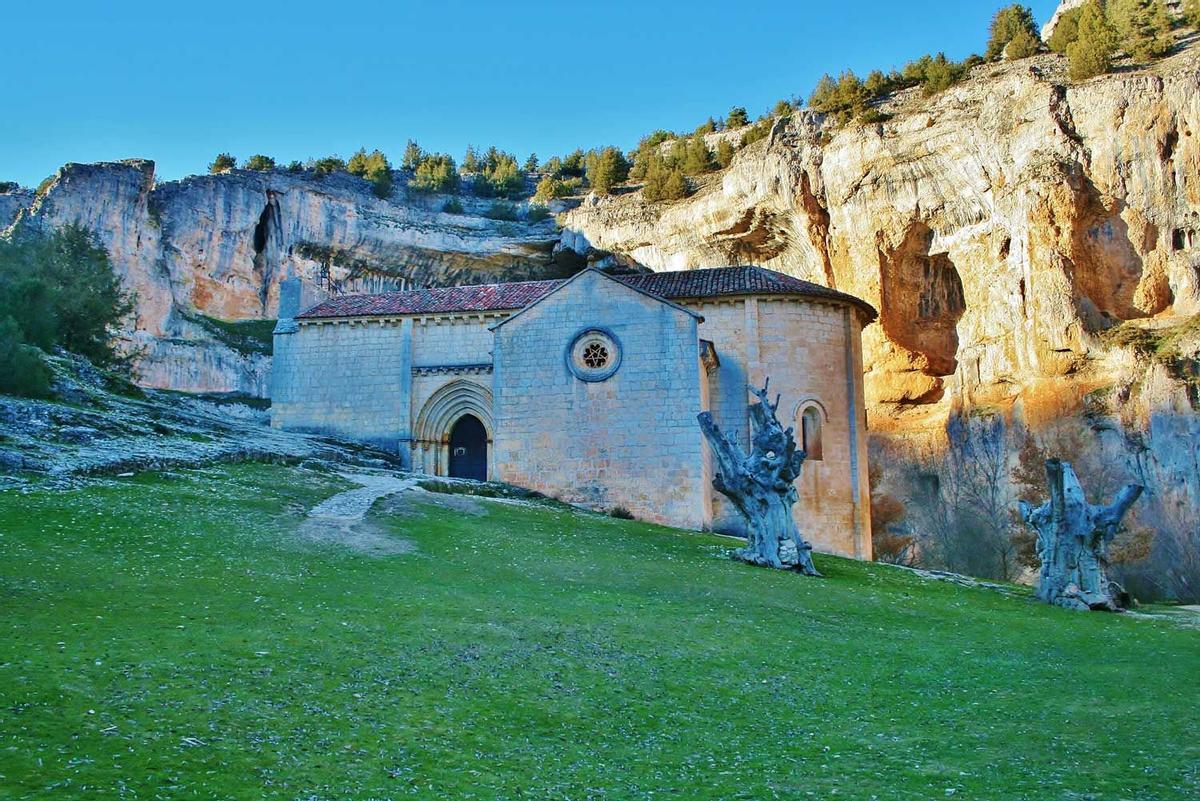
[327,165]
[536,213]
[737,117]
[1008,25]
[22,370]
[1092,51]
[782,108]
[1143,26]
[621,513]
[452,206]
[606,167]
[260,163]
[60,290]
[760,130]
[222,163]
[502,210]
[295,166]
[435,174]
[8,186]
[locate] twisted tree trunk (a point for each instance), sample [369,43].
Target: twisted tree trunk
[762,487]
[1073,538]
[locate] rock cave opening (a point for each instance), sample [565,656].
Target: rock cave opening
[923,301]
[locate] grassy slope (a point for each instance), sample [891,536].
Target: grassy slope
[539,653]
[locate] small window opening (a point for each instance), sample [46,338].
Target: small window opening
[810,433]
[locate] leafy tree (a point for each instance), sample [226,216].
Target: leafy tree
[260,163]
[435,174]
[738,117]
[61,291]
[222,163]
[1008,24]
[606,167]
[724,155]
[22,370]
[531,163]
[1143,26]
[413,156]
[327,165]
[1092,51]
[1066,30]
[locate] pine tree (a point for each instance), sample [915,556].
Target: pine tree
[1143,26]
[1066,30]
[724,153]
[259,162]
[606,167]
[697,158]
[1023,45]
[531,163]
[413,156]
[738,117]
[470,162]
[1092,51]
[1009,23]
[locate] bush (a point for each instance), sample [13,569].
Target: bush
[502,210]
[222,163]
[760,130]
[295,166]
[1008,25]
[536,213]
[8,186]
[327,165]
[1092,51]
[452,206]
[606,167]
[22,370]
[435,174]
[621,513]
[60,291]
[260,163]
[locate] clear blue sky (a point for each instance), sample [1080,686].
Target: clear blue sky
[179,82]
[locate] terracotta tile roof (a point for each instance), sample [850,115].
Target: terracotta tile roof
[678,285]
[481,297]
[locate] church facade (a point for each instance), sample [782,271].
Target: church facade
[587,389]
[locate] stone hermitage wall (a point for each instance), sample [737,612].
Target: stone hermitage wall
[630,440]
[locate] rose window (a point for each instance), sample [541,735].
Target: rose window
[595,355]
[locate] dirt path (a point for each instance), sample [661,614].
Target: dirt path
[338,520]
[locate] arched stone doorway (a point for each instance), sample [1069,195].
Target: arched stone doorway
[438,419]
[468,449]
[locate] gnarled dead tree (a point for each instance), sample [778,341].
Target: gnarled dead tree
[762,486]
[1073,538]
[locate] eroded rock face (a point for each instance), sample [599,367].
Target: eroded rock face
[219,245]
[999,227]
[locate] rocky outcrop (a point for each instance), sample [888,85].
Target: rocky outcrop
[1000,228]
[218,245]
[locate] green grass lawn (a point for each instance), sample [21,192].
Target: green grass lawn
[171,637]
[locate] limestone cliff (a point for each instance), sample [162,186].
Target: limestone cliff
[1000,228]
[217,246]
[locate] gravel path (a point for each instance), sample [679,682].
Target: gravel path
[352,505]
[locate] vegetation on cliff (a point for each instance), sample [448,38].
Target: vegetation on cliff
[56,291]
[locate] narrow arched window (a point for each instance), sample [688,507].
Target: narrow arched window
[810,433]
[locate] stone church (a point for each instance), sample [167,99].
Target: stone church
[587,389]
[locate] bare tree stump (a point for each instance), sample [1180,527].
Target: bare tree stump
[762,487]
[1073,538]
